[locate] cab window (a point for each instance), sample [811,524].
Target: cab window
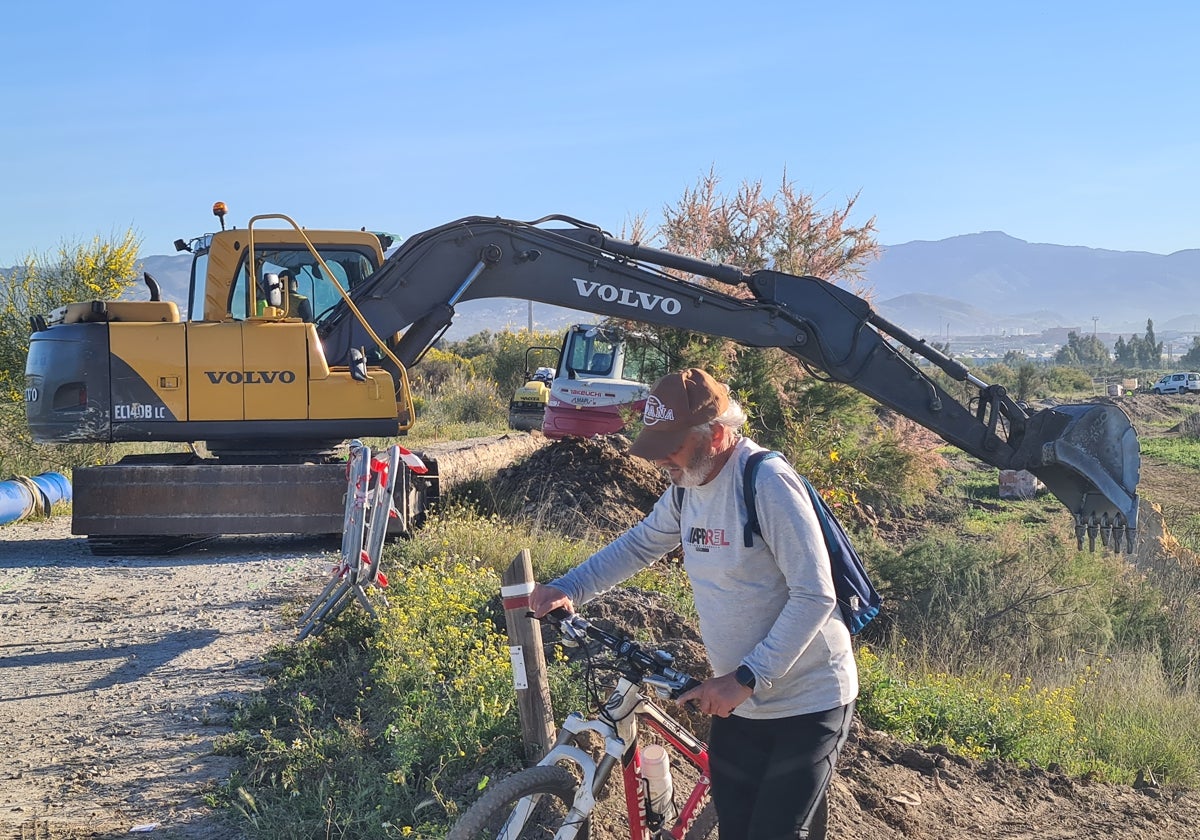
[348,268]
[591,353]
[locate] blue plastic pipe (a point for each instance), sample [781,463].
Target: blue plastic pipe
[23,496]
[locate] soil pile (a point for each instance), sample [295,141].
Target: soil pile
[1151,413]
[580,487]
[1189,428]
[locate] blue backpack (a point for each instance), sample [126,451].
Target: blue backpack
[857,597]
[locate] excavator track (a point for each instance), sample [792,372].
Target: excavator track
[142,545]
[161,504]
[183,500]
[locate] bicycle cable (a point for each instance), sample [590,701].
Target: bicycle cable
[591,681]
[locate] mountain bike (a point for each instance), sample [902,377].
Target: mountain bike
[556,797]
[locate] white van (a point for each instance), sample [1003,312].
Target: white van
[1177,383]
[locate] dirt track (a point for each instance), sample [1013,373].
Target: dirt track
[117,675]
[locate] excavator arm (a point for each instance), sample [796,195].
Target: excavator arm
[1087,455]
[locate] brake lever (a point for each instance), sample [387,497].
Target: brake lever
[662,687]
[570,625]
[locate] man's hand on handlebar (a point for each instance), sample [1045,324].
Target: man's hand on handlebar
[545,598]
[717,696]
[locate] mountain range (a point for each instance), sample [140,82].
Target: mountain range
[994,284]
[980,284]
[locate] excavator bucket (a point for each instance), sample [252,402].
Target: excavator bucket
[1087,455]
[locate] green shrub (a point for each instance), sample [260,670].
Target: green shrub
[100,269]
[1137,719]
[1067,382]
[373,729]
[437,369]
[961,599]
[835,438]
[461,398]
[501,356]
[442,672]
[1109,717]
[496,541]
[979,715]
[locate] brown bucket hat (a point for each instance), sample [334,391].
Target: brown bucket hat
[677,404]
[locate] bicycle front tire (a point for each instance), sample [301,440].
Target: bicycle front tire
[704,824]
[529,805]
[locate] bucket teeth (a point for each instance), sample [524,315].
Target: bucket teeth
[1114,532]
[1106,531]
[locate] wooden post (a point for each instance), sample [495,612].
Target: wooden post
[528,661]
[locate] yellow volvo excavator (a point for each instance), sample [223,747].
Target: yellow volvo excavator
[272,394]
[244,373]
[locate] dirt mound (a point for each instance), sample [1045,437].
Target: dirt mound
[886,788]
[1189,428]
[1150,412]
[580,487]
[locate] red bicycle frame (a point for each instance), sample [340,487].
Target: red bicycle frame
[685,744]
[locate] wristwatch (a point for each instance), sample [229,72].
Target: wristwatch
[745,677]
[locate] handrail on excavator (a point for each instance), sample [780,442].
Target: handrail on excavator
[404,391]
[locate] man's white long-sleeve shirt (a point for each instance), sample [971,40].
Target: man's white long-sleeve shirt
[771,606]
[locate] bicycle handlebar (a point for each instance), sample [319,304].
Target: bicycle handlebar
[652,668]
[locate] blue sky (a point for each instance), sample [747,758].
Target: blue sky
[1066,122]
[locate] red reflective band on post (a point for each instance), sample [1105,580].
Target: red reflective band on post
[516,596]
[520,602]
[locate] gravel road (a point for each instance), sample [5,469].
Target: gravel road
[118,674]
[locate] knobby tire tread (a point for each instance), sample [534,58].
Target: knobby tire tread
[487,811]
[704,824]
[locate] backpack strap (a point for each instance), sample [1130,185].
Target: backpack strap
[749,475]
[748,494]
[858,599]
[821,509]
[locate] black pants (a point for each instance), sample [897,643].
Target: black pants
[769,776]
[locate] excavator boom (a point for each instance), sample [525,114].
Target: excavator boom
[1087,455]
[273,394]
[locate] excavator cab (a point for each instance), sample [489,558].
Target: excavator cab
[347,268]
[592,392]
[590,352]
